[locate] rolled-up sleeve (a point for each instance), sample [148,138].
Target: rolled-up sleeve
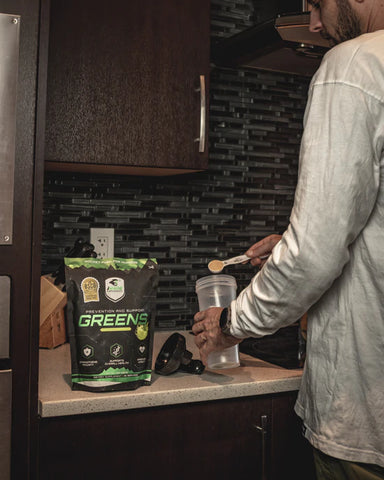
[339,178]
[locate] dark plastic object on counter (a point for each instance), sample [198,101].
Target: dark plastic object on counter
[285,348]
[80,249]
[173,356]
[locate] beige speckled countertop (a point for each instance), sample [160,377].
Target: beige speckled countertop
[253,377]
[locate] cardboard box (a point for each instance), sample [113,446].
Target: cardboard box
[52,316]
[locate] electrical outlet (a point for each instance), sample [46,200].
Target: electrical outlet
[103,239]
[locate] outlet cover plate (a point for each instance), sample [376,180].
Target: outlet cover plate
[103,239]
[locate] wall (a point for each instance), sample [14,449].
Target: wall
[185,221]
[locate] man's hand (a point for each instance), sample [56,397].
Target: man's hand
[262,248]
[208,334]
[207,331]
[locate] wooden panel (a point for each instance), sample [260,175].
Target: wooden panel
[205,441]
[121,82]
[291,452]
[115,169]
[16,259]
[5,423]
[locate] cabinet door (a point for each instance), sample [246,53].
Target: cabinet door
[197,441]
[124,81]
[291,453]
[5,423]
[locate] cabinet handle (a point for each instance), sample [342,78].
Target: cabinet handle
[203,108]
[263,430]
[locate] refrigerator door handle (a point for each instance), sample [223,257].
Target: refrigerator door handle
[9,61]
[5,299]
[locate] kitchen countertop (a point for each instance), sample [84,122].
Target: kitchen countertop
[253,377]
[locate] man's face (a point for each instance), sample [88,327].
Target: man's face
[335,19]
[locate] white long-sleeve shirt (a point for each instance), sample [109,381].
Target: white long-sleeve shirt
[330,260]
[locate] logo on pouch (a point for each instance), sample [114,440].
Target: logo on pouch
[90,288]
[114,289]
[116,350]
[142,331]
[87,351]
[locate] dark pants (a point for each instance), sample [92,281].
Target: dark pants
[329,468]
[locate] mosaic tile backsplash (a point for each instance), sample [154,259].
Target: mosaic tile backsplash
[187,220]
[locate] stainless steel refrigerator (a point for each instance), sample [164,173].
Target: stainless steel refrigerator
[9,59]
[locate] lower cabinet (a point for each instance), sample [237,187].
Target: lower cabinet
[258,437]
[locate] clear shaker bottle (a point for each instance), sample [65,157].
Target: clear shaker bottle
[218,291]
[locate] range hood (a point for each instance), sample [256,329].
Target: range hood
[283,44]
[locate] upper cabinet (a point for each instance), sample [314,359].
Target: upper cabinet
[127,86]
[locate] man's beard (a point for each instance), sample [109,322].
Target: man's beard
[348,24]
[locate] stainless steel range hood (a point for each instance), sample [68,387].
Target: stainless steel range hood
[282,44]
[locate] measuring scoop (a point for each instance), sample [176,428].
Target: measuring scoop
[217,266]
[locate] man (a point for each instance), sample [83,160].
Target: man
[330,260]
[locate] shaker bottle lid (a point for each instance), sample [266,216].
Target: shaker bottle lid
[215,280]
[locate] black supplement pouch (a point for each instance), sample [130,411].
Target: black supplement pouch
[110,322]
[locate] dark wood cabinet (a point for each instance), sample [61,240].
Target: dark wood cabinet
[290,453]
[20,258]
[210,440]
[124,85]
